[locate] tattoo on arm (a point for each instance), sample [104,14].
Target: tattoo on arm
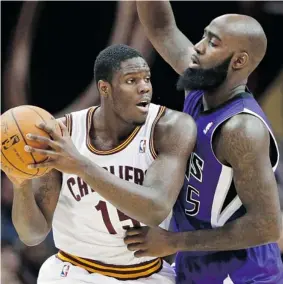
[48,192]
[246,149]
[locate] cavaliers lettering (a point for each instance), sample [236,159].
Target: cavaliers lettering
[78,188]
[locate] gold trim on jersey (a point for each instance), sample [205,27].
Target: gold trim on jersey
[151,142]
[69,123]
[107,152]
[124,272]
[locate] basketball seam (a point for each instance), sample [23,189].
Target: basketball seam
[16,167]
[44,122]
[39,175]
[23,138]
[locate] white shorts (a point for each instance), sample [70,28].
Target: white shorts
[55,271]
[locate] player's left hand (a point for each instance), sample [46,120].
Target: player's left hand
[147,241]
[62,153]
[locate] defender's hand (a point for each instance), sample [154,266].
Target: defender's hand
[62,153]
[147,241]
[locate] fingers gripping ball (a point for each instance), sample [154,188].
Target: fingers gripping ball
[16,123]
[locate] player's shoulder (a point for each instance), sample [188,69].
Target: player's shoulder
[246,126]
[72,114]
[176,128]
[172,119]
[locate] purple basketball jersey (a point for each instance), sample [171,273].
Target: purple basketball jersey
[208,198]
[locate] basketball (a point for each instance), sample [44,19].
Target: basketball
[16,123]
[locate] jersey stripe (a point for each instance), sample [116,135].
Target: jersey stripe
[69,123]
[130,272]
[114,150]
[151,141]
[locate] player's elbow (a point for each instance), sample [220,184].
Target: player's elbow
[276,231]
[273,233]
[160,209]
[272,237]
[160,216]
[33,241]
[32,238]
[157,220]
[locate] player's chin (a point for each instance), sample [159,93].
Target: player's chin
[139,121]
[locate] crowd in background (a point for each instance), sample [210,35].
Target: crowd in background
[20,72]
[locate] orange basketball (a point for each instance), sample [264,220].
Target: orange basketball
[16,123]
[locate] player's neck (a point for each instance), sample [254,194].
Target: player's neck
[109,126]
[222,94]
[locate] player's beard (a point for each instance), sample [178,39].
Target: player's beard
[204,79]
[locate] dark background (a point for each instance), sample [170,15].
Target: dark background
[69,36]
[67,39]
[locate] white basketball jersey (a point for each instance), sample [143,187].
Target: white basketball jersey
[84,223]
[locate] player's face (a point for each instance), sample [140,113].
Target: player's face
[132,91]
[210,61]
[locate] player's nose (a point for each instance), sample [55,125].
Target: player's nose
[144,88]
[200,47]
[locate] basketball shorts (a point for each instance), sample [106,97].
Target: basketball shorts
[259,265]
[56,271]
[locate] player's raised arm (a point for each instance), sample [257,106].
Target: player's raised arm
[160,27]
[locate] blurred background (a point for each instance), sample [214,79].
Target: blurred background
[48,52]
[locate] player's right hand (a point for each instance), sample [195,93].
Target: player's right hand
[16,181]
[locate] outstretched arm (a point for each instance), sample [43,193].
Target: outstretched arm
[149,203]
[244,142]
[160,27]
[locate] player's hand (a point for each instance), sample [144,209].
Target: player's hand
[62,153]
[16,181]
[147,241]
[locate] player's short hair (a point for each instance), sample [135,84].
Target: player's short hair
[109,60]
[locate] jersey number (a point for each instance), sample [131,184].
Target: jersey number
[102,207]
[195,170]
[190,198]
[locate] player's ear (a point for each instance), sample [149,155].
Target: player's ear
[241,60]
[104,88]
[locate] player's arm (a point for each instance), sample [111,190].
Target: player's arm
[151,202]
[34,203]
[160,27]
[245,146]
[33,206]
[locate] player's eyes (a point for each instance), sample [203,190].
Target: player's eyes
[130,81]
[212,44]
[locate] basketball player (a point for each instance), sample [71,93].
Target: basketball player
[227,215]
[118,165]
